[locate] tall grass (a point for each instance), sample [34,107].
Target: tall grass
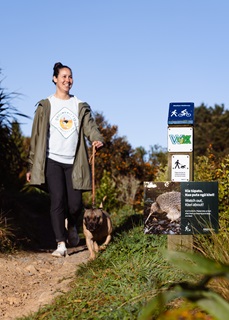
[6,234]
[215,247]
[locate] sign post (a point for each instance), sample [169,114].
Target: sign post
[180,158]
[180,207]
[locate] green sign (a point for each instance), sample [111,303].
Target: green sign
[180,207]
[199,207]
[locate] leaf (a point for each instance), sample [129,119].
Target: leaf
[196,263]
[208,301]
[157,304]
[215,305]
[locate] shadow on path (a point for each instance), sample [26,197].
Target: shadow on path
[32,223]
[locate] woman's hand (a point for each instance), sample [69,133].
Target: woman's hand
[97,144]
[28,176]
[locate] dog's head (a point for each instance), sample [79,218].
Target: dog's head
[93,219]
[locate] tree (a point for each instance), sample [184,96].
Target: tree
[211,130]
[11,141]
[118,157]
[126,166]
[12,161]
[158,156]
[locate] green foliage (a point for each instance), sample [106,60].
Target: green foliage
[6,234]
[11,143]
[207,168]
[113,194]
[158,156]
[128,187]
[107,194]
[162,174]
[216,246]
[9,159]
[198,293]
[211,130]
[8,113]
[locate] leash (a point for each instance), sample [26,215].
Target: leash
[93,175]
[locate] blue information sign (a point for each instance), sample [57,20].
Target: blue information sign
[181,113]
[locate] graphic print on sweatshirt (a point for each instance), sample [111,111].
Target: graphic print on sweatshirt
[65,121]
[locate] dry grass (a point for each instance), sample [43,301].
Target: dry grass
[6,234]
[215,247]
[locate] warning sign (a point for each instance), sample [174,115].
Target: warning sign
[199,206]
[181,207]
[180,167]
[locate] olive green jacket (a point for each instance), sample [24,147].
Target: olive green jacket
[81,173]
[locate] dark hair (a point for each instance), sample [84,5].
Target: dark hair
[56,69]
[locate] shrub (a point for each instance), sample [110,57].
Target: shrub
[6,234]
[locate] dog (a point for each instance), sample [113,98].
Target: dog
[97,227]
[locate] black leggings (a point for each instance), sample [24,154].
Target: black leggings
[66,202]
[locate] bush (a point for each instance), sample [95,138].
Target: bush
[207,168]
[6,234]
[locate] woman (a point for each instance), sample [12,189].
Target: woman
[58,154]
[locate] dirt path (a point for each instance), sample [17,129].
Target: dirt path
[31,280]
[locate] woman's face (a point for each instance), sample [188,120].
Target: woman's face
[64,80]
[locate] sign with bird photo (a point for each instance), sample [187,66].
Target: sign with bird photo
[180,207]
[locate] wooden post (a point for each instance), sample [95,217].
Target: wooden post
[180,117]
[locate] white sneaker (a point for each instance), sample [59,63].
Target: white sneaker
[61,250]
[73,237]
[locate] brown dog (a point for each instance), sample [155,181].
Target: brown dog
[97,227]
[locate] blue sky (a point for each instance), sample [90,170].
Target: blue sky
[130,58]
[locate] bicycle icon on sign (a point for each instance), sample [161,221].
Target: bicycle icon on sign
[184,113]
